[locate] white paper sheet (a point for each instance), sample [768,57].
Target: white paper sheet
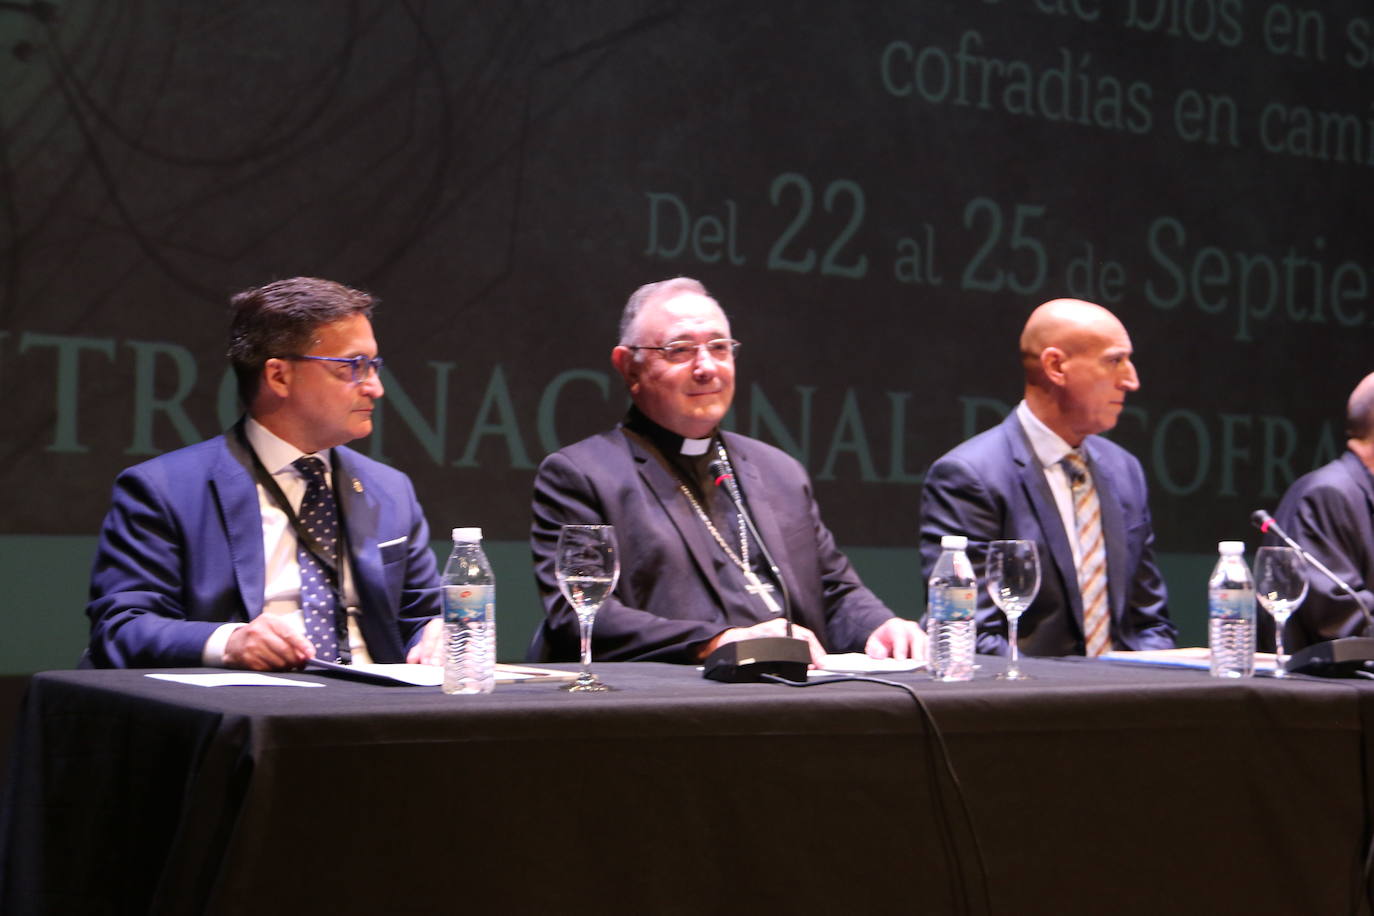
[233,679]
[1191,657]
[859,663]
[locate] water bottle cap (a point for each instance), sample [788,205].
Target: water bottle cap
[467,535]
[954,542]
[1229,548]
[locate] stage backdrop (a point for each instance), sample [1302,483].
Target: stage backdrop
[878,194]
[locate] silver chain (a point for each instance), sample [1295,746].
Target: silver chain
[742,561]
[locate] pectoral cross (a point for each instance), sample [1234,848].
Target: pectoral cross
[763,589]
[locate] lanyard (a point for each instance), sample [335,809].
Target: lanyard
[261,474]
[308,540]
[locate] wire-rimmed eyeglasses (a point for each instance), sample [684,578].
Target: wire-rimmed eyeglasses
[721,350]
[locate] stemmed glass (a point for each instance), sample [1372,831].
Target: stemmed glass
[587,567]
[1280,586]
[1013,579]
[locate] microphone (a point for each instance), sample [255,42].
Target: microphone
[750,659]
[724,474]
[1343,657]
[1265,523]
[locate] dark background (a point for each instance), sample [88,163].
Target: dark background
[490,170]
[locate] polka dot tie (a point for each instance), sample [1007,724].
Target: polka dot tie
[319,604]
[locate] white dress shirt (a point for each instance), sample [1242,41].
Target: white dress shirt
[1049,450]
[282,572]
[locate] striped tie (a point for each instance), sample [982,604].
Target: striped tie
[1092,555]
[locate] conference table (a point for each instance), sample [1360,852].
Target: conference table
[1097,787]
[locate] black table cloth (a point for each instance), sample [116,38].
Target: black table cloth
[1094,788]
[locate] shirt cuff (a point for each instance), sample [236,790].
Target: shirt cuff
[212,656]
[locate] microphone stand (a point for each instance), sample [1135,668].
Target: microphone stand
[1347,656]
[751,659]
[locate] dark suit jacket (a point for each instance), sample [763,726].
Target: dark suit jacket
[992,487]
[1330,512]
[181,553]
[668,600]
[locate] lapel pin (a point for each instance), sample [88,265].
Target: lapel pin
[357,485]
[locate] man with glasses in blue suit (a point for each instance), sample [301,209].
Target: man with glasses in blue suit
[273,543]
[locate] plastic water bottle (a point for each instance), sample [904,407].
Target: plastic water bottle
[950,603]
[1231,613]
[469,622]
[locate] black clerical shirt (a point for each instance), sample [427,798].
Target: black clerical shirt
[742,607]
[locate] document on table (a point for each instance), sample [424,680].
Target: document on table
[402,674]
[392,675]
[859,663]
[1199,657]
[233,679]
[386,674]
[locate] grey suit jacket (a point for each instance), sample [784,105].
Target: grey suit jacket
[669,599]
[992,487]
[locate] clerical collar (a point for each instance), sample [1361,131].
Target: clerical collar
[687,459]
[665,440]
[695,446]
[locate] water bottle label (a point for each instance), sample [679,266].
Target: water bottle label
[952,603]
[468,603]
[1231,604]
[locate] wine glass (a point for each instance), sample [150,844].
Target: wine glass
[1280,586]
[587,567]
[1013,579]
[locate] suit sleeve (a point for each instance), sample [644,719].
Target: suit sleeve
[955,500]
[136,608]
[565,495]
[1322,520]
[1146,624]
[421,597]
[852,611]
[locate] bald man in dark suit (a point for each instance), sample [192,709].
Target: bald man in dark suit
[1017,481]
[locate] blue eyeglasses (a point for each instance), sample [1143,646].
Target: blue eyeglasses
[360,367]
